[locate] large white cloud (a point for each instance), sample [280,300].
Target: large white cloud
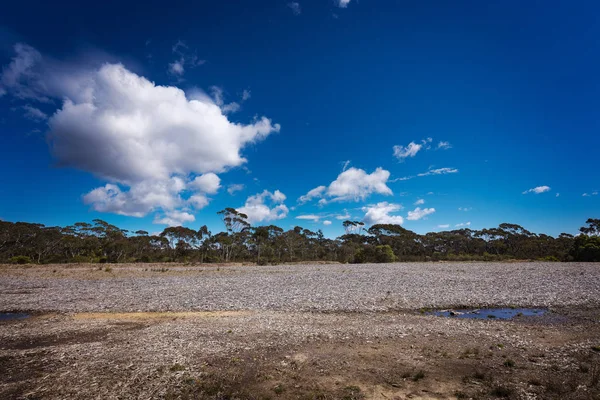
[130,130]
[353,184]
[138,136]
[257,209]
[380,214]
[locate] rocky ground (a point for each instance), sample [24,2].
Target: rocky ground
[299,332]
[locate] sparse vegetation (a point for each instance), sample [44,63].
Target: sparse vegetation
[509,363]
[176,367]
[418,376]
[502,391]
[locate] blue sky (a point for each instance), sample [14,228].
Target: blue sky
[430,114]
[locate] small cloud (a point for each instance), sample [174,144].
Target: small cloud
[443,226]
[309,217]
[185,58]
[439,171]
[411,149]
[419,213]
[381,213]
[34,113]
[588,195]
[344,216]
[174,218]
[444,145]
[218,96]
[342,3]
[465,209]
[419,202]
[295,7]
[463,224]
[235,187]
[538,190]
[176,68]
[208,183]
[326,222]
[557,194]
[246,94]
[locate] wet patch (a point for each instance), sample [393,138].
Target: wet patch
[489,313]
[12,315]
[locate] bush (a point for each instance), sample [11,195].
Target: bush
[20,260]
[377,254]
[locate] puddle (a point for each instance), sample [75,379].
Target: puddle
[489,313]
[11,315]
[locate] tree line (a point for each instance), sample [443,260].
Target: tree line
[101,242]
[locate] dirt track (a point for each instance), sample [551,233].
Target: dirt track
[381,352]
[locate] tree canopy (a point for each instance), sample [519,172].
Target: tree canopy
[100,241]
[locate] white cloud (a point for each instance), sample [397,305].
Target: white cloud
[235,187]
[131,130]
[257,211]
[310,217]
[538,190]
[439,171]
[465,209]
[401,152]
[342,3]
[314,193]
[380,214]
[419,202]
[219,98]
[141,198]
[557,194]
[207,183]
[176,67]
[31,76]
[444,226]
[352,184]
[198,201]
[175,218]
[344,216]
[185,57]
[246,95]
[588,195]
[463,224]
[327,222]
[419,213]
[295,7]
[411,150]
[144,139]
[34,113]
[444,145]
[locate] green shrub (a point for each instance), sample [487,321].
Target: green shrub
[20,260]
[375,254]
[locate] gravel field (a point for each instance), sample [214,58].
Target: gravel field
[376,287]
[327,332]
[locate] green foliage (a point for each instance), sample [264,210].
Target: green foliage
[19,260]
[102,242]
[375,254]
